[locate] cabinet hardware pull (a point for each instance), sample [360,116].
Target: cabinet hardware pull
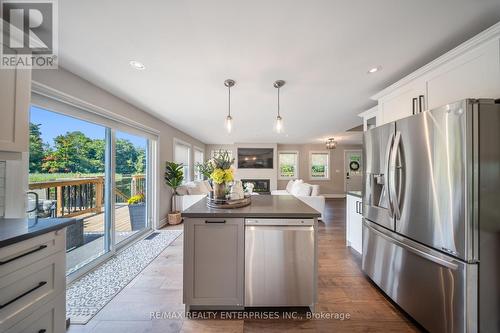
[421,105]
[223,221]
[414,106]
[357,207]
[41,284]
[43,330]
[41,247]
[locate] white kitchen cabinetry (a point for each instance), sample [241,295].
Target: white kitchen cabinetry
[15,91]
[354,222]
[403,102]
[476,74]
[370,118]
[471,70]
[33,284]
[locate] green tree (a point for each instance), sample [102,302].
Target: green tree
[37,148]
[126,157]
[70,154]
[140,163]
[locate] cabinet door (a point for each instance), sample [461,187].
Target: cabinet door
[399,104]
[15,90]
[350,215]
[475,74]
[214,261]
[357,228]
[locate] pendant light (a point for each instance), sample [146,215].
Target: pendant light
[279,121]
[229,120]
[331,144]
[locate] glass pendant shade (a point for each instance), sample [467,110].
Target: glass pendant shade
[229,124]
[279,124]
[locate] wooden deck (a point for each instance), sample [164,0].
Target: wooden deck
[95,222]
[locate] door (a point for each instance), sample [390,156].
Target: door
[435,289]
[377,145]
[214,261]
[353,170]
[428,177]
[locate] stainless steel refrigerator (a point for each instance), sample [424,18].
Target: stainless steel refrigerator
[431,208]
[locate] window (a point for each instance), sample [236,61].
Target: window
[288,162]
[319,165]
[182,153]
[199,157]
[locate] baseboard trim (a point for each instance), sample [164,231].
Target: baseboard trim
[333,195]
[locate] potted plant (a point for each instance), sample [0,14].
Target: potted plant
[173,178]
[137,211]
[221,174]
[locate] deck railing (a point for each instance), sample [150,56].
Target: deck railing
[79,196]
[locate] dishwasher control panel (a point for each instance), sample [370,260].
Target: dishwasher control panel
[280,221]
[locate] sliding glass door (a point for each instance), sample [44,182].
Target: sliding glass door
[131,204]
[93,173]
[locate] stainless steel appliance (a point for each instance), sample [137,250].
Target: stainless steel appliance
[279,264]
[431,207]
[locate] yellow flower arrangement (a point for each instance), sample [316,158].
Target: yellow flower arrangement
[221,176]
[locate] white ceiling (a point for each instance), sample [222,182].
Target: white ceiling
[322,49]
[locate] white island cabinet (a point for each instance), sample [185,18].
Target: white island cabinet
[354,221]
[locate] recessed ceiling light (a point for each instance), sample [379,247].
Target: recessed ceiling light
[137,65]
[374,69]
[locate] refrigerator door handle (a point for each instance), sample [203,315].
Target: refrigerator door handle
[386,176]
[392,176]
[421,253]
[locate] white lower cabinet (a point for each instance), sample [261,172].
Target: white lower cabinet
[354,223]
[33,284]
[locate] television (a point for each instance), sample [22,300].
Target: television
[255,158]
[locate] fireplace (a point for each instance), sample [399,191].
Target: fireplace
[262,186]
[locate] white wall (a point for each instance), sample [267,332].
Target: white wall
[68,83]
[271,174]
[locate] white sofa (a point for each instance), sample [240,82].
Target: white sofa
[190,193]
[305,192]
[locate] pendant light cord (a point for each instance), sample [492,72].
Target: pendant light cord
[229,101]
[279,101]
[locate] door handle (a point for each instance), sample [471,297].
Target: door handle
[414,103]
[41,247]
[357,207]
[41,284]
[421,103]
[221,221]
[387,181]
[392,172]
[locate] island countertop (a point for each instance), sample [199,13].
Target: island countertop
[15,230]
[271,206]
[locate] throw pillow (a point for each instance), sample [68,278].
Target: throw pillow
[303,190]
[289,186]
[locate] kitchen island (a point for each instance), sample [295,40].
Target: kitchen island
[261,255]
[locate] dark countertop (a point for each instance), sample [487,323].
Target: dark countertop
[355,193]
[15,230]
[262,206]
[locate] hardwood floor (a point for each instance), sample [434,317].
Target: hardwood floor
[343,290]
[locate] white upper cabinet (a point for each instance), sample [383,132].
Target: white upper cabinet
[402,103]
[475,74]
[471,70]
[15,91]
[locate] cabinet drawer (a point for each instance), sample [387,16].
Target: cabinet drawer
[50,318]
[22,254]
[24,290]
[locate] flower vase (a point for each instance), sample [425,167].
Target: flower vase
[219,190]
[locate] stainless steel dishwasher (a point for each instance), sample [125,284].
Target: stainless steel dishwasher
[279,262]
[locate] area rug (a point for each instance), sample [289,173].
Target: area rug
[89,294]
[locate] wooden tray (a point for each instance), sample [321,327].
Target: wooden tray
[228,204]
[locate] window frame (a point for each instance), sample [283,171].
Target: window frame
[297,162]
[180,142]
[197,175]
[317,152]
